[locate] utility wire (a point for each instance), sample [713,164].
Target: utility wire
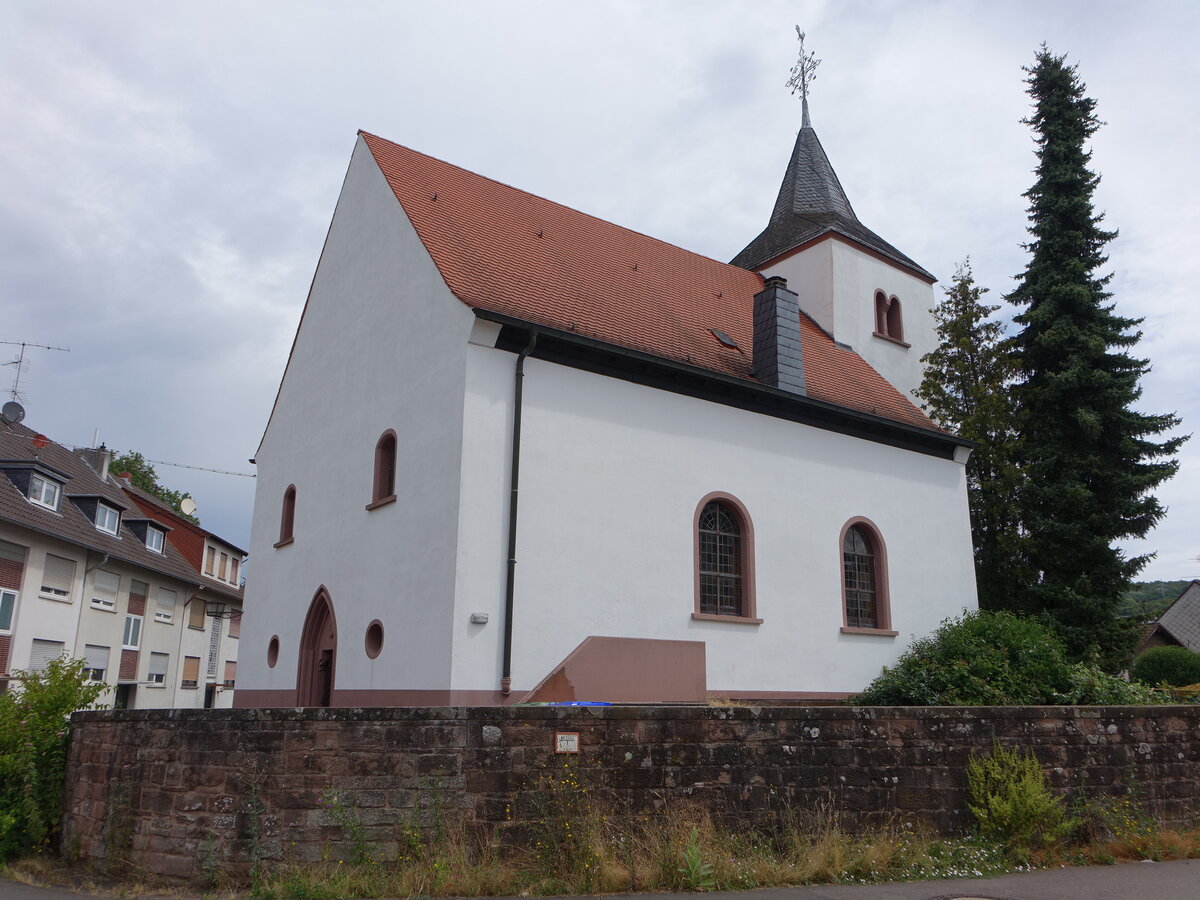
[162,462]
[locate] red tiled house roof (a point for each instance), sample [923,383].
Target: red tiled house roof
[505,251]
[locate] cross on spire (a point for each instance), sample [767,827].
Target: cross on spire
[804,73]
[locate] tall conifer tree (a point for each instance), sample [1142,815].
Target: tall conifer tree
[1089,459]
[967,388]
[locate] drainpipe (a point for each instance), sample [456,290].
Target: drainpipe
[96,566]
[514,476]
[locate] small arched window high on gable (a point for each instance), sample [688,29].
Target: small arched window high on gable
[724,560]
[864,579]
[287,517]
[384,484]
[889,320]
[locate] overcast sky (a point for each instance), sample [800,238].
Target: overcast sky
[168,171]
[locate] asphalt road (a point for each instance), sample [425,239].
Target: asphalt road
[1178,880]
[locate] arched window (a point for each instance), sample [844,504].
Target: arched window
[864,578]
[889,321]
[724,560]
[287,518]
[384,488]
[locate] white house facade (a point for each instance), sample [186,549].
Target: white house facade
[519,453]
[86,573]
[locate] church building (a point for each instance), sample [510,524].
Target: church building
[522,454]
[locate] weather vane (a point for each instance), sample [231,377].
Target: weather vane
[804,73]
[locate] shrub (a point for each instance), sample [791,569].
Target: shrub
[1008,795]
[994,659]
[1176,666]
[33,750]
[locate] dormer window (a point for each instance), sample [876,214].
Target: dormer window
[107,519]
[154,539]
[44,492]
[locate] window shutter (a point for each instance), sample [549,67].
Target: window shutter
[158,665]
[12,552]
[208,561]
[235,624]
[104,589]
[234,563]
[230,671]
[191,669]
[196,613]
[96,656]
[42,653]
[166,605]
[59,575]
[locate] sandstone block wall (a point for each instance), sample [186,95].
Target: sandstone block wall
[181,792]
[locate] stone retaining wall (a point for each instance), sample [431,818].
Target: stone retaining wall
[176,792]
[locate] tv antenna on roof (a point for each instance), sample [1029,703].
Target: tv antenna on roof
[19,363]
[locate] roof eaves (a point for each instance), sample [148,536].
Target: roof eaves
[932,434]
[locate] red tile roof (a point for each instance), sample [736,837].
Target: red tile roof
[503,250]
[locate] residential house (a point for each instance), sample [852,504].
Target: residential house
[521,453]
[1179,624]
[85,572]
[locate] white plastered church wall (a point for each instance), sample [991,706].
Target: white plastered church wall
[611,475]
[381,345]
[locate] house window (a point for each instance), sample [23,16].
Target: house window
[196,614]
[158,668]
[864,578]
[208,561]
[724,546]
[224,566]
[164,610]
[8,605]
[234,565]
[58,576]
[287,518]
[235,624]
[132,638]
[384,486]
[104,589]
[43,653]
[230,672]
[44,492]
[191,671]
[889,322]
[96,660]
[107,518]
[154,539]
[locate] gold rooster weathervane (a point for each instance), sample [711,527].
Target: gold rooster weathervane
[804,73]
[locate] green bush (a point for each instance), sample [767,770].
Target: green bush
[1176,666]
[1008,795]
[995,659]
[33,750]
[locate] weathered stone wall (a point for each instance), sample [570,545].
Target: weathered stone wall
[178,791]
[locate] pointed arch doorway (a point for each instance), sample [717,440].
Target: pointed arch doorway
[318,653]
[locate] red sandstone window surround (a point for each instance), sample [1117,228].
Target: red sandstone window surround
[889,319]
[287,519]
[383,489]
[724,561]
[866,607]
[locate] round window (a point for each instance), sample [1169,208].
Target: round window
[374,639]
[273,651]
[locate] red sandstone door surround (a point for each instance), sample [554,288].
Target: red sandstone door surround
[318,653]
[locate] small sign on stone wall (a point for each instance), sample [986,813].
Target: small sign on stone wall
[566,742]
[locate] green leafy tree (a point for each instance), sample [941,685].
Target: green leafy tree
[145,477]
[34,721]
[967,389]
[1090,460]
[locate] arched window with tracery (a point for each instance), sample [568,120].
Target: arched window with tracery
[864,578]
[384,483]
[724,564]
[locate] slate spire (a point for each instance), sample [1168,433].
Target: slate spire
[811,200]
